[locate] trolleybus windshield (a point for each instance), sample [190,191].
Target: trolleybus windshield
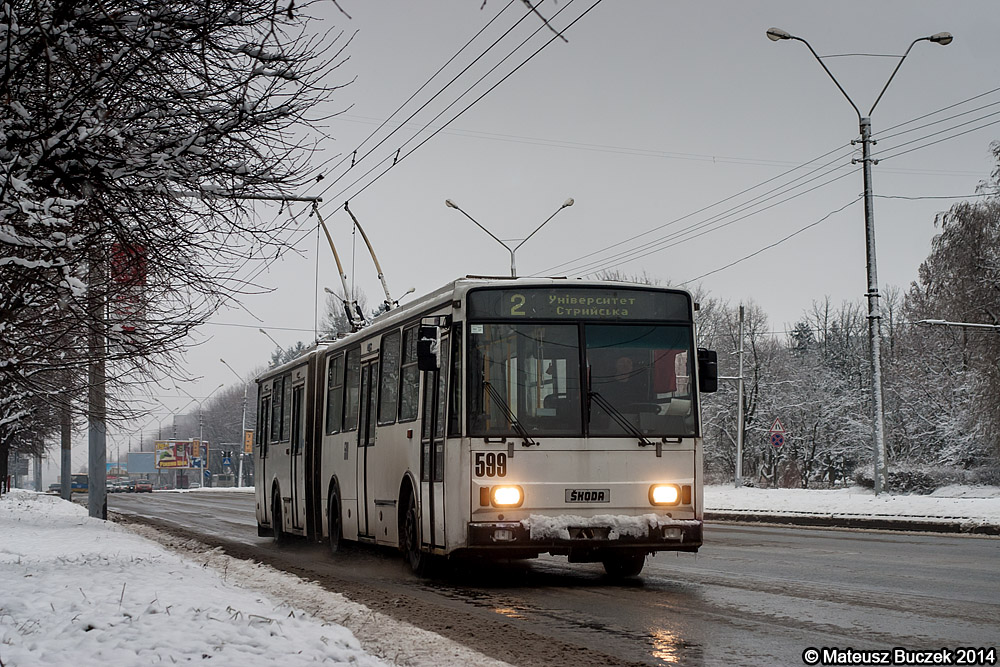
[530,374]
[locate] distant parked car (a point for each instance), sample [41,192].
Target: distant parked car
[130,486]
[143,486]
[55,488]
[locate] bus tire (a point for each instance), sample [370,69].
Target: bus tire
[624,564]
[333,520]
[418,560]
[278,536]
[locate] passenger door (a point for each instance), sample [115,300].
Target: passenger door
[432,445]
[297,444]
[366,440]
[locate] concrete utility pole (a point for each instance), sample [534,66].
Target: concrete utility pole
[739,411]
[739,408]
[874,311]
[97,498]
[243,422]
[66,451]
[201,430]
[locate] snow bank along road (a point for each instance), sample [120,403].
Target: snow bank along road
[753,596]
[83,592]
[954,509]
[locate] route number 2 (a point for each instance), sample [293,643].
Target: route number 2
[517,304]
[491,464]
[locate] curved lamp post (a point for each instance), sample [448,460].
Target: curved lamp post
[513,269]
[243,431]
[201,427]
[874,311]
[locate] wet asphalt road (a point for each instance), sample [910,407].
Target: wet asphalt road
[751,596]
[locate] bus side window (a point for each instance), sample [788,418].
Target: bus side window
[277,394]
[389,379]
[264,428]
[335,394]
[352,389]
[455,383]
[409,391]
[286,413]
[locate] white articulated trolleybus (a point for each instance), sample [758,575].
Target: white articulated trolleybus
[495,417]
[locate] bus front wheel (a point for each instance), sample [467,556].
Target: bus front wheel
[277,534]
[418,560]
[336,533]
[623,565]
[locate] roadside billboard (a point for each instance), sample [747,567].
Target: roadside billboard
[173,454]
[141,463]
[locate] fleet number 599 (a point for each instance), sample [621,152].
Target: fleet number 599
[491,464]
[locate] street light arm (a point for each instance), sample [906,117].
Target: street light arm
[891,76]
[568,202]
[830,74]
[276,343]
[450,204]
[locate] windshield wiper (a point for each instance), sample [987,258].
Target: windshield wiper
[619,418]
[495,395]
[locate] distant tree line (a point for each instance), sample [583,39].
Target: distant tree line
[941,384]
[134,135]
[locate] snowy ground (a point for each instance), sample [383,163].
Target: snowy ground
[86,592]
[978,505]
[79,591]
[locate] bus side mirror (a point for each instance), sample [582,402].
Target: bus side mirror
[708,370]
[428,347]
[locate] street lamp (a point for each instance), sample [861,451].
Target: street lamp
[874,311]
[270,338]
[960,325]
[246,387]
[513,270]
[201,428]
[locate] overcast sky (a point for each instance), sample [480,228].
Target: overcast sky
[669,123]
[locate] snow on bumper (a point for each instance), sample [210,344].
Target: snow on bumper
[652,531]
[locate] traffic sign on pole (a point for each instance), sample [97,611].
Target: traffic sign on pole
[777,433]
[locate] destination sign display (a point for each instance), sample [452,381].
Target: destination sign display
[573,303]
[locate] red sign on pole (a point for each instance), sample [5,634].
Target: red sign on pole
[777,433]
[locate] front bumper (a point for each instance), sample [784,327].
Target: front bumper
[515,536]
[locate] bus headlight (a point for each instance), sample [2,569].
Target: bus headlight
[507,496]
[664,494]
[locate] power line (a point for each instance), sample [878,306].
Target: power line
[664,242]
[942,109]
[302,236]
[776,243]
[937,122]
[432,98]
[402,157]
[927,145]
[631,255]
[708,207]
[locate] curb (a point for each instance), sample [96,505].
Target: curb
[914,524]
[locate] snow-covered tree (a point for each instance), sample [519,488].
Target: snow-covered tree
[133,138]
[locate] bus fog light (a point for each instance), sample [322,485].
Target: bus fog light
[664,494]
[503,535]
[507,496]
[672,533]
